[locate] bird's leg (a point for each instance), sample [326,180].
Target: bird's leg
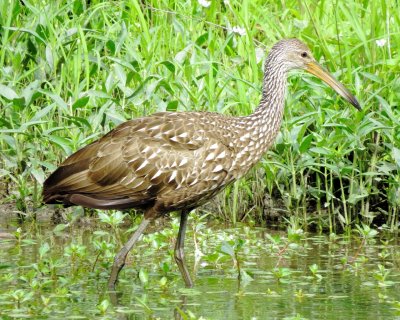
[179,253]
[120,258]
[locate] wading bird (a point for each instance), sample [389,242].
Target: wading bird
[176,161]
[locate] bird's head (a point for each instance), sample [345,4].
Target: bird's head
[293,54]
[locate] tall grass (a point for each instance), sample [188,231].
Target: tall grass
[72,70]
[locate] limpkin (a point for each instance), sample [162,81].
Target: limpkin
[176,161]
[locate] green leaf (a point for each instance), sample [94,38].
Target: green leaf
[320,150]
[172,105]
[38,174]
[111,46]
[396,155]
[49,57]
[119,73]
[35,34]
[163,281]
[115,117]
[143,276]
[7,92]
[57,99]
[202,39]
[43,112]
[141,86]
[305,143]
[31,91]
[104,217]
[99,94]
[80,122]
[354,197]
[44,248]
[169,65]
[245,278]
[80,103]
[60,227]
[62,142]
[227,249]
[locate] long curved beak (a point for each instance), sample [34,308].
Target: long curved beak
[315,69]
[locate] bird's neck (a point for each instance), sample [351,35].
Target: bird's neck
[265,122]
[259,130]
[273,96]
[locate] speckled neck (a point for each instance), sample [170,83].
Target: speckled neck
[256,132]
[269,112]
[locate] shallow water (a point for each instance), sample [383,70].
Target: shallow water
[49,273]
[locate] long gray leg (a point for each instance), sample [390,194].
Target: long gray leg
[120,258]
[179,253]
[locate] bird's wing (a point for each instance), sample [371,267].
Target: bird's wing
[142,159]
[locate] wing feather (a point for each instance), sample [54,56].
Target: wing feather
[141,160]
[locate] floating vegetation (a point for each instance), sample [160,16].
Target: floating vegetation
[57,274]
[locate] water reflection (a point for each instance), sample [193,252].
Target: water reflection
[313,278]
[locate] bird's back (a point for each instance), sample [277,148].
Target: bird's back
[168,160]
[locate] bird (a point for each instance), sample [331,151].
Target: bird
[177,161]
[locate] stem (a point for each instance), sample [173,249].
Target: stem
[343,196]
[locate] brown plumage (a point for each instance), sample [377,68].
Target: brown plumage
[177,161]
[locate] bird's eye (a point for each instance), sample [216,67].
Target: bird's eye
[304,55]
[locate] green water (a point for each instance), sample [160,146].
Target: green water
[49,274]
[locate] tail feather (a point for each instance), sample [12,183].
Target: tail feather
[64,179]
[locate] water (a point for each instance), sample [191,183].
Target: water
[49,274]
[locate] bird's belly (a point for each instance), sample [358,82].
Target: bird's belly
[193,196]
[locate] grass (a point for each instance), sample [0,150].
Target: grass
[72,70]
